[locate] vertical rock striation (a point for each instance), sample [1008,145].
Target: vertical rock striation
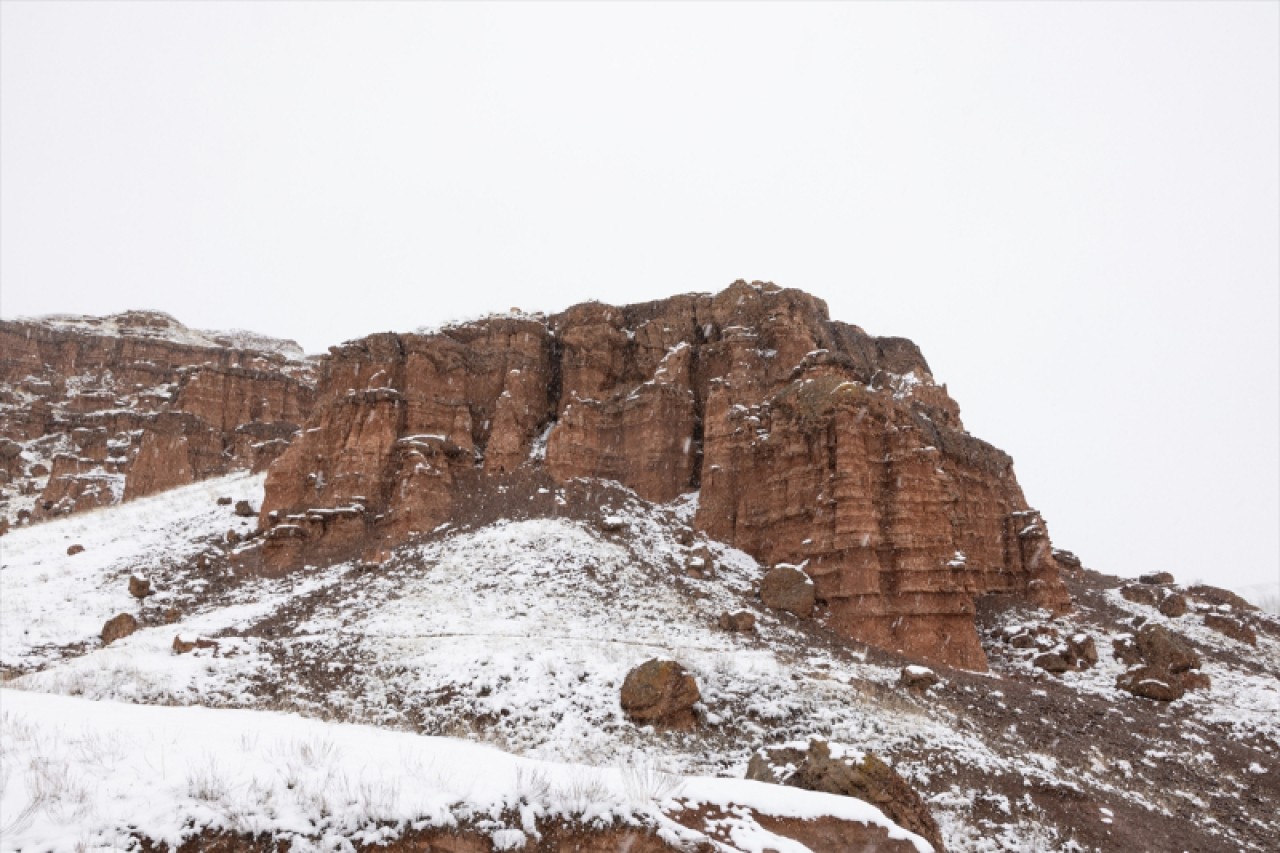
[95,410]
[810,441]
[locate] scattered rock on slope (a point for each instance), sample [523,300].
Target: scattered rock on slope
[661,693]
[917,677]
[819,766]
[742,620]
[787,588]
[118,627]
[139,586]
[1232,628]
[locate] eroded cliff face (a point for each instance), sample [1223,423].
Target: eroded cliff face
[810,442]
[96,410]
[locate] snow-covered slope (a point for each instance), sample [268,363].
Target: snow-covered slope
[174,773]
[518,634]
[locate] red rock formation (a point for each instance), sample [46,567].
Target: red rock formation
[812,443]
[113,408]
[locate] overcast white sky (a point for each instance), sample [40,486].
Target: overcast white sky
[1073,208]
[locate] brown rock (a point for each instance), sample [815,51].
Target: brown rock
[660,693]
[1082,650]
[1141,594]
[171,615]
[1173,605]
[1056,662]
[1233,628]
[856,774]
[700,564]
[742,620]
[1162,649]
[184,643]
[1219,597]
[1125,650]
[245,510]
[224,501]
[139,586]
[1156,578]
[918,678]
[1152,683]
[809,440]
[72,550]
[118,627]
[232,537]
[789,589]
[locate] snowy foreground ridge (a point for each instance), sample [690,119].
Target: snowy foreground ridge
[78,774]
[471,683]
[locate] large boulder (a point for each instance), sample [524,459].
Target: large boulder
[788,588]
[118,627]
[661,693]
[1151,683]
[833,769]
[1162,649]
[1164,663]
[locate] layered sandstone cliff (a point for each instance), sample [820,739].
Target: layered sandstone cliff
[809,441]
[95,410]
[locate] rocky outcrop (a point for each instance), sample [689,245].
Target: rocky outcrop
[811,442]
[94,411]
[1162,664]
[817,766]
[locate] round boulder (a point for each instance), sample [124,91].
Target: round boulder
[118,627]
[660,693]
[787,588]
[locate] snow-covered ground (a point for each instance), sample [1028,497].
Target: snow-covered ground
[518,635]
[170,773]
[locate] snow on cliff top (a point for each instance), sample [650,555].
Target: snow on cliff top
[161,326]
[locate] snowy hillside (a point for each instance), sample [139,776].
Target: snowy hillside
[518,634]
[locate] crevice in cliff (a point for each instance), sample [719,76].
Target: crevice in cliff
[699,405]
[555,382]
